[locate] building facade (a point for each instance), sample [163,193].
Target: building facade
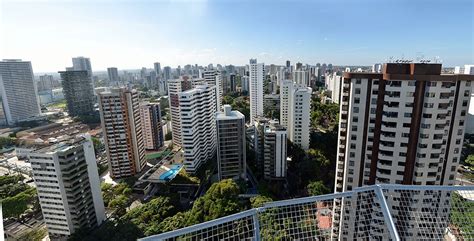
[122,130]
[68,186]
[402,126]
[175,87]
[18,90]
[295,112]
[197,108]
[275,147]
[256,78]
[214,77]
[78,92]
[150,114]
[114,79]
[333,84]
[231,144]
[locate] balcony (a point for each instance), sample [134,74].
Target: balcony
[381,212]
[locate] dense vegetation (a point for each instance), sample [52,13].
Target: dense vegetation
[462,215]
[163,213]
[16,197]
[239,103]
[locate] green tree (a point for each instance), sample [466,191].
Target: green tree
[470,161]
[220,200]
[120,204]
[148,216]
[18,204]
[317,188]
[259,200]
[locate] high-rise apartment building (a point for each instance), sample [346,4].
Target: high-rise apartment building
[167,73]
[402,126]
[286,89]
[231,144]
[151,121]
[113,76]
[333,84]
[157,68]
[123,131]
[214,77]
[18,91]
[175,87]
[47,83]
[295,112]
[82,63]
[256,78]
[68,186]
[78,91]
[275,147]
[301,77]
[197,108]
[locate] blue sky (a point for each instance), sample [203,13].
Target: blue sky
[132,34]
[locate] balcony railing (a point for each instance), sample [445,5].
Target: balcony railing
[378,212]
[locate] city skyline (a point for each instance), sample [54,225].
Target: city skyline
[127,35]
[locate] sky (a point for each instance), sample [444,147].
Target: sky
[132,34]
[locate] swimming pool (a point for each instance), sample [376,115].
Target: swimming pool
[172,171]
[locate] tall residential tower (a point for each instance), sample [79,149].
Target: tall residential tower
[402,126]
[68,186]
[122,130]
[231,145]
[256,78]
[18,91]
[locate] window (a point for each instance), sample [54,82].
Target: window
[354,128]
[410,94]
[407,115]
[356,100]
[430,94]
[357,91]
[355,119]
[466,93]
[353,146]
[358,81]
[356,110]
[428,105]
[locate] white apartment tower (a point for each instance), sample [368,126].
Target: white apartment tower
[256,78]
[301,77]
[68,186]
[18,90]
[231,145]
[286,87]
[122,130]
[150,114]
[197,108]
[402,126]
[275,147]
[214,77]
[333,83]
[295,112]
[175,87]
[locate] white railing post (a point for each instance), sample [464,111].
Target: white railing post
[256,225]
[386,213]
